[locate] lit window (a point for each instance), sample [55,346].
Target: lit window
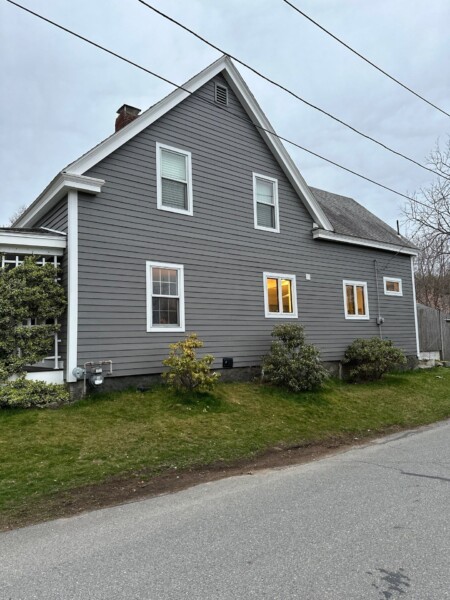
[165,297]
[392,286]
[280,295]
[265,200]
[355,300]
[174,186]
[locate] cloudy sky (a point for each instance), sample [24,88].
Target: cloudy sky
[59,95]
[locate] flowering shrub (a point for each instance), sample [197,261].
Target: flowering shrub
[370,359]
[291,362]
[25,393]
[187,373]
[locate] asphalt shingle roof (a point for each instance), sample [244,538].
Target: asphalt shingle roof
[348,217]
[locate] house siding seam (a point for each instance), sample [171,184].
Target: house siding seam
[224,257]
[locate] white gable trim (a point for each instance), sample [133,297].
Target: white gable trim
[240,88]
[57,189]
[320,234]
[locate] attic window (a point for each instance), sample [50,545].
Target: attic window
[221,94]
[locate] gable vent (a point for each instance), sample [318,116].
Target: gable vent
[221,94]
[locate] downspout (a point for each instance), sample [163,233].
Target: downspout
[379,318]
[441,332]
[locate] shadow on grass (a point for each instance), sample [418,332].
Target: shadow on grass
[315,397]
[197,401]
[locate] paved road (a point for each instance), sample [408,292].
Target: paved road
[371,523]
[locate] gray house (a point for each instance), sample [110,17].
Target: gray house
[193,217]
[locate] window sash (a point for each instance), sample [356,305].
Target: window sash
[356,301]
[265,203]
[165,297]
[280,295]
[174,179]
[394,282]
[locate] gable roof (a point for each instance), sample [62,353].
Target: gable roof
[351,219]
[224,66]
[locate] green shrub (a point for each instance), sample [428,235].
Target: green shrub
[25,393]
[28,291]
[291,362]
[369,359]
[187,373]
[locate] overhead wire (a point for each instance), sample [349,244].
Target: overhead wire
[166,80]
[290,92]
[365,59]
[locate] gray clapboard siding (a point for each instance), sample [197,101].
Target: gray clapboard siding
[57,219]
[224,257]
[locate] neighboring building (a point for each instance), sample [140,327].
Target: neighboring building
[193,217]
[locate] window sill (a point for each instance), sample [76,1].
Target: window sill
[180,211]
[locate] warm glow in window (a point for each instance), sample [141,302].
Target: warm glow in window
[392,286]
[272,295]
[286,289]
[280,294]
[355,299]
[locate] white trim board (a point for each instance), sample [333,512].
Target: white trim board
[72,285]
[416,322]
[355,284]
[188,156]
[149,264]
[393,280]
[18,242]
[331,236]
[60,186]
[280,315]
[274,183]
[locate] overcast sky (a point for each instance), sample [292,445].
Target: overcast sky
[59,95]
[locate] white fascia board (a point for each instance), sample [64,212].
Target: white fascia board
[226,67]
[12,242]
[331,236]
[57,189]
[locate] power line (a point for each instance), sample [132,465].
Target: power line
[290,92]
[403,85]
[148,71]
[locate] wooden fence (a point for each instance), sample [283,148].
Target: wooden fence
[434,331]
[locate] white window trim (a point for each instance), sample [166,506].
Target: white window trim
[275,229]
[281,315]
[394,280]
[149,290]
[190,209]
[363,284]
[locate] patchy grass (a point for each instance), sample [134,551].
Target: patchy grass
[46,453]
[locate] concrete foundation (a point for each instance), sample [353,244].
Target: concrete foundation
[113,384]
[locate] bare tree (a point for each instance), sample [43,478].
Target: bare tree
[16,214]
[432,273]
[428,219]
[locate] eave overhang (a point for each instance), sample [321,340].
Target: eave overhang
[57,189]
[331,236]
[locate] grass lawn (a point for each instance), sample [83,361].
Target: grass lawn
[46,453]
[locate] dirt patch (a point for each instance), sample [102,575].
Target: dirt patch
[141,484]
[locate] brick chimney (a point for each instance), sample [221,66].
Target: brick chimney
[126,115]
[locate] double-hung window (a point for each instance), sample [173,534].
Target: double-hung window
[265,201]
[392,286]
[174,179]
[355,300]
[280,296]
[165,297]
